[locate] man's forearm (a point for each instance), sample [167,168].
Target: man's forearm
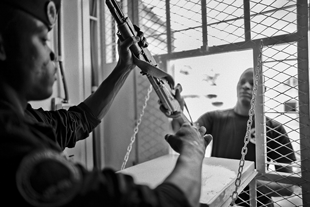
[187,176]
[100,101]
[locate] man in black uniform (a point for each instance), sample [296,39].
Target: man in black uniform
[34,172]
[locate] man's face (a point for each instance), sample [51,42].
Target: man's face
[245,88]
[30,60]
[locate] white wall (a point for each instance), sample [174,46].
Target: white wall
[77,66]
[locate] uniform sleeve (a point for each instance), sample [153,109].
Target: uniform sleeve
[280,148]
[70,125]
[47,179]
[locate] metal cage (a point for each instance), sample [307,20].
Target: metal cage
[276,31]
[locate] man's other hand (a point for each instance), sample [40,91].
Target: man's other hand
[189,140]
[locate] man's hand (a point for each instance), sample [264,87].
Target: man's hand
[189,140]
[125,55]
[140,34]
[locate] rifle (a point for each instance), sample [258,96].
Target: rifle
[161,81]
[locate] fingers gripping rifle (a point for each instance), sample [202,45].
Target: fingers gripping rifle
[161,81]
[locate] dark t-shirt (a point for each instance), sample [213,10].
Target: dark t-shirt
[228,130]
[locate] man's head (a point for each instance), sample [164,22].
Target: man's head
[245,88]
[27,64]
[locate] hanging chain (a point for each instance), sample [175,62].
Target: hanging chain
[244,149]
[136,129]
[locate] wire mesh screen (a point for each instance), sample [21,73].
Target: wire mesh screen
[152,17]
[188,28]
[272,18]
[282,127]
[281,101]
[110,37]
[154,125]
[225,22]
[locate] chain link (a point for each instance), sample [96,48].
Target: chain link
[244,149]
[136,129]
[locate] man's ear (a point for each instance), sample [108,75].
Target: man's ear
[2,50]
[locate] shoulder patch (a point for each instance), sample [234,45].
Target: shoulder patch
[46,178]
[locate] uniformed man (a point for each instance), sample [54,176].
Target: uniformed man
[33,170]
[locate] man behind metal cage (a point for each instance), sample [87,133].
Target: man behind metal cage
[34,173]
[228,128]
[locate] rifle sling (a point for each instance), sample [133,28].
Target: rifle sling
[153,71]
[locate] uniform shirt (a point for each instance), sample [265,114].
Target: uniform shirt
[35,173]
[228,130]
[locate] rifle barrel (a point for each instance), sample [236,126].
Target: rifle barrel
[118,14]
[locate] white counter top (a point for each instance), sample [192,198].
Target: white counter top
[218,176]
